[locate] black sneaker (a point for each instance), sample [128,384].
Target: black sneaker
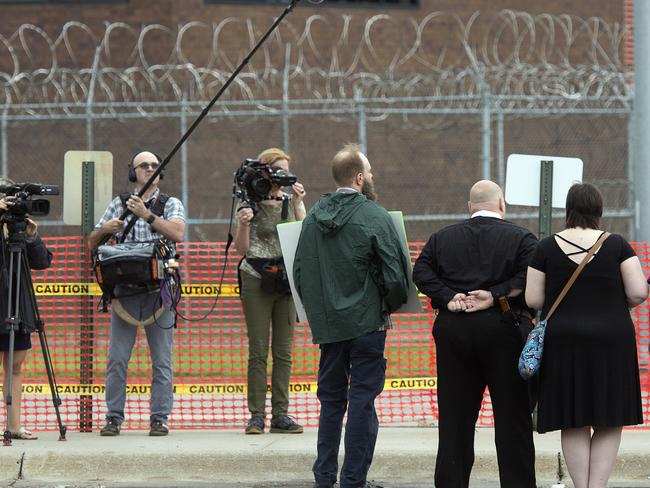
[255,425]
[111,429]
[370,484]
[158,429]
[283,424]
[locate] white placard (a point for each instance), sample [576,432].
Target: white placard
[72,184]
[523,178]
[413,303]
[289,233]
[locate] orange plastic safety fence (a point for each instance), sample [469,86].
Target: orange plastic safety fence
[210,353]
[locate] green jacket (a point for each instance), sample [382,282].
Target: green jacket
[349,269]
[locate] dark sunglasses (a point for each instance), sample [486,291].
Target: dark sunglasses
[153,166]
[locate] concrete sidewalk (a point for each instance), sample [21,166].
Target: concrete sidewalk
[404,455]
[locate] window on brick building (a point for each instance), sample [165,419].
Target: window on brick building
[331,3]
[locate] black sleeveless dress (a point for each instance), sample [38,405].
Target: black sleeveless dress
[589,374]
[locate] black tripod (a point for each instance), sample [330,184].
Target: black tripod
[17,272]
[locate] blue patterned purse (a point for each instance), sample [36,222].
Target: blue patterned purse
[530,359]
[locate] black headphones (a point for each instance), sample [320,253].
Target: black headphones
[132,176]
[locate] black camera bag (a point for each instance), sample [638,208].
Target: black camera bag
[129,263]
[273,273]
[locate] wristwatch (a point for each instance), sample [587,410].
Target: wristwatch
[151,218]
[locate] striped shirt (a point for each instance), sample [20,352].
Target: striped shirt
[141,231]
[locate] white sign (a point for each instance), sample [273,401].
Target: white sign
[289,234]
[72,184]
[523,173]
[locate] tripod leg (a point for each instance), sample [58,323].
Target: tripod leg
[9,385]
[12,321]
[56,399]
[47,359]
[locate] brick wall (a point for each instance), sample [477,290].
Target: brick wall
[418,171]
[171,12]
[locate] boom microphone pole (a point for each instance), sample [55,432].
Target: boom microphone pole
[207,108]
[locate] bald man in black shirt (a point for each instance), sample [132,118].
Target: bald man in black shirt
[465,269]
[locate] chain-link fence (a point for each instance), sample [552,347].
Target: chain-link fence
[425,172]
[437,103]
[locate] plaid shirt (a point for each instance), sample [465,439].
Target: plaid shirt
[141,231]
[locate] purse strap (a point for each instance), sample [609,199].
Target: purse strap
[575,274]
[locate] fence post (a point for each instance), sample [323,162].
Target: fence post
[4,126]
[90,143]
[486,131]
[501,163]
[185,196]
[285,99]
[360,109]
[631,170]
[641,111]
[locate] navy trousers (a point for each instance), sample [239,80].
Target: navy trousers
[351,375]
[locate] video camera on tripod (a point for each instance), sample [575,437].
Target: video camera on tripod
[254,180]
[23,204]
[17,297]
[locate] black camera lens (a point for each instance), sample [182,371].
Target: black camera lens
[283,178]
[38,208]
[261,186]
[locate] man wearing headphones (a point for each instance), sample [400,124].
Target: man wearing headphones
[156,216]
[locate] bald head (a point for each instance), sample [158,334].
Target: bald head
[144,157]
[486,195]
[144,165]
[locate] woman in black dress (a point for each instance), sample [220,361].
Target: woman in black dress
[589,379]
[38,257]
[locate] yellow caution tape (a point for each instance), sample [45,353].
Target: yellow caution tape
[216,389]
[93,289]
[76,289]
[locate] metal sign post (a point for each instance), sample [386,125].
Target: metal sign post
[545,198]
[87,333]
[556,175]
[88,178]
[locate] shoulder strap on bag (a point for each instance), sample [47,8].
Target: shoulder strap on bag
[158,207]
[124,197]
[575,274]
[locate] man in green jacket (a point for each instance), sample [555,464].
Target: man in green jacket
[351,274]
